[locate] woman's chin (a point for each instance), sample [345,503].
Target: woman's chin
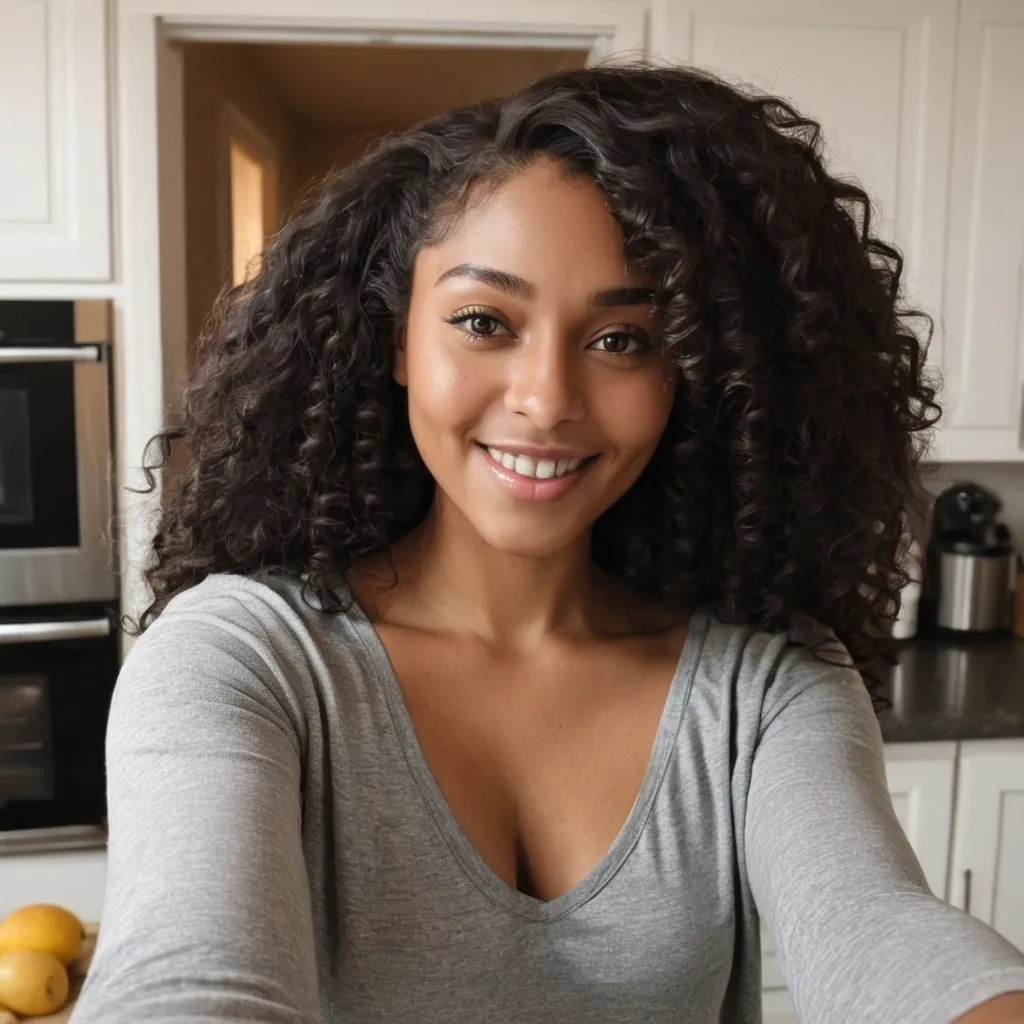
[525,540]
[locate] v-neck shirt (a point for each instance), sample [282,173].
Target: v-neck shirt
[280,851]
[496,888]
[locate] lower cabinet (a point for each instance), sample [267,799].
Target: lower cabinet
[987,877]
[74,879]
[921,779]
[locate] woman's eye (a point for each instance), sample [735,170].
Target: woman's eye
[619,343]
[478,325]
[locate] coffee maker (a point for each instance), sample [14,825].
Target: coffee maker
[971,561]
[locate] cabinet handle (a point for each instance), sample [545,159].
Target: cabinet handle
[37,632]
[967,891]
[73,354]
[1020,426]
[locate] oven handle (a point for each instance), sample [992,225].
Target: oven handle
[34,632]
[63,354]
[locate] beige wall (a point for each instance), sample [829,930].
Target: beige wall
[313,105]
[322,152]
[216,80]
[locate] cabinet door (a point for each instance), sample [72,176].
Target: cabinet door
[988,840]
[984,312]
[877,75]
[54,192]
[920,778]
[74,879]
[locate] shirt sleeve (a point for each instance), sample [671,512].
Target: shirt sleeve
[207,915]
[860,937]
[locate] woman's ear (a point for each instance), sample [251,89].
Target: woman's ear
[398,366]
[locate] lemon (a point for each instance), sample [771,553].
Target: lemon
[32,982]
[44,928]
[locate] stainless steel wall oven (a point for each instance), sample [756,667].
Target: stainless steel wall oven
[59,649]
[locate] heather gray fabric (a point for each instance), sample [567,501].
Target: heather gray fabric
[279,851]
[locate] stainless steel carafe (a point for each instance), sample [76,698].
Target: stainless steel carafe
[974,590]
[973,561]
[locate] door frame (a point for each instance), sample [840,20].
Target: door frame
[148,144]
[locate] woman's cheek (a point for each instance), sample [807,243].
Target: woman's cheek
[448,387]
[638,414]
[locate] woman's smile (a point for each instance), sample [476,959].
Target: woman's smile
[534,479]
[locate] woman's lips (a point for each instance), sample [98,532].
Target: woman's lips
[526,488]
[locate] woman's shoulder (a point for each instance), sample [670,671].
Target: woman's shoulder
[770,667]
[237,602]
[232,641]
[267,622]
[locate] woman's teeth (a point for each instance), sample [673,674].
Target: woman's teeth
[539,469]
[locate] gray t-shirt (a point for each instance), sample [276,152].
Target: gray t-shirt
[280,852]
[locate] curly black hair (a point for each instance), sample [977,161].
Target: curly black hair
[782,480]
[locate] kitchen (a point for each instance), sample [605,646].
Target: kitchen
[97,207]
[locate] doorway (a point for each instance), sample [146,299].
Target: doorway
[265,122]
[156,318]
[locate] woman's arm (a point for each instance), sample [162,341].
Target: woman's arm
[207,912]
[1001,1010]
[860,937]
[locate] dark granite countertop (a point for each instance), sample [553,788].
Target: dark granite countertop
[950,688]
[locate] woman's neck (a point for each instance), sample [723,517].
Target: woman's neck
[449,578]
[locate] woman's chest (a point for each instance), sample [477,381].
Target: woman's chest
[538,762]
[649,933]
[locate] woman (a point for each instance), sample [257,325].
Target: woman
[542,499]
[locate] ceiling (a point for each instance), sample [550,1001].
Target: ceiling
[356,88]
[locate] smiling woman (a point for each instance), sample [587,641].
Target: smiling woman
[541,504]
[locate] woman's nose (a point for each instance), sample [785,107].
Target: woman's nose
[545,383]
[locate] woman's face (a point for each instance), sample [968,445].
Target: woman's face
[537,389]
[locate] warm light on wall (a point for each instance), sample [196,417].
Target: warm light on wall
[248,230]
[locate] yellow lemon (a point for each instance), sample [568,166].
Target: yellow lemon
[32,983]
[44,928]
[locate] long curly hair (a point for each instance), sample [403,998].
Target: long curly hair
[781,483]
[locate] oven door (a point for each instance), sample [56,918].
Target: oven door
[57,676]
[55,474]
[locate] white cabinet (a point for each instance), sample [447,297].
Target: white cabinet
[877,75]
[984,293]
[921,783]
[54,180]
[988,843]
[74,879]
[935,134]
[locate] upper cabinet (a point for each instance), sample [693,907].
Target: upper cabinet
[877,75]
[984,335]
[921,100]
[54,180]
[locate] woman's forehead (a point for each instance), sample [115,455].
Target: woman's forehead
[538,226]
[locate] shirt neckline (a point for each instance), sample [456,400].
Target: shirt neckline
[495,888]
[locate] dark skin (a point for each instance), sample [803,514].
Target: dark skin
[535,681]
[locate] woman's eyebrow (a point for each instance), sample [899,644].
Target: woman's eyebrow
[512,284]
[500,279]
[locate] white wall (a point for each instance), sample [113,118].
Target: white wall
[72,879]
